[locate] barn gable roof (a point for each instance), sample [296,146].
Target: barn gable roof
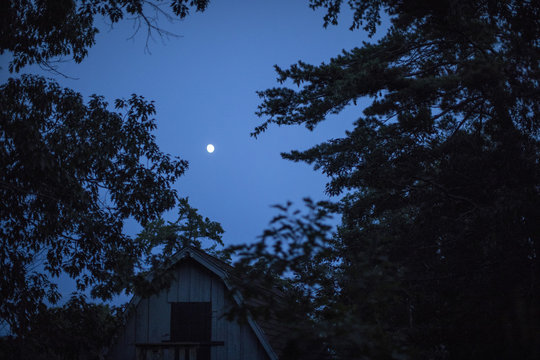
[269,338]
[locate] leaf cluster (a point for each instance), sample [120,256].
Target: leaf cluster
[37,32]
[71,173]
[76,330]
[160,240]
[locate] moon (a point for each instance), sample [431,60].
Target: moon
[210,148]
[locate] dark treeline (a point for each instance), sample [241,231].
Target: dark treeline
[437,253]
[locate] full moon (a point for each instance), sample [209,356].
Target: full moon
[210,148]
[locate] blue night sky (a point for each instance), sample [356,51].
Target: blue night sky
[203,84]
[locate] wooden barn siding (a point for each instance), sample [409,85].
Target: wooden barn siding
[150,321]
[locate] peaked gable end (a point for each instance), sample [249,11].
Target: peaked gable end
[199,290]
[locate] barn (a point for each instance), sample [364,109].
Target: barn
[186,320]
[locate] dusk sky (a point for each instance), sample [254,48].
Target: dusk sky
[203,84]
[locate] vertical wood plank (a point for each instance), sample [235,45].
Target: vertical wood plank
[124,347]
[168,354]
[201,285]
[141,321]
[233,338]
[252,348]
[172,292]
[197,280]
[184,281]
[129,330]
[159,318]
[218,333]
[247,344]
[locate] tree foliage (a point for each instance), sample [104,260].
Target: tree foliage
[437,253]
[77,330]
[161,239]
[71,174]
[284,278]
[189,229]
[37,32]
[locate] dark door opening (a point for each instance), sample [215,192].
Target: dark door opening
[191,322]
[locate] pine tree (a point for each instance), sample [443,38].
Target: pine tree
[437,253]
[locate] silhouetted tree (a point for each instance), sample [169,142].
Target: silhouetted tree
[71,172]
[437,253]
[40,31]
[189,229]
[160,240]
[77,330]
